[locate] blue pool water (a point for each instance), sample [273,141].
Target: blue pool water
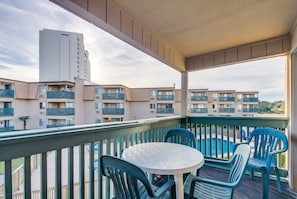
[214,146]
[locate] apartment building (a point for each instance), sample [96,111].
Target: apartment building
[65,103]
[62,56]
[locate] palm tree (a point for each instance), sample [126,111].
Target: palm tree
[24,119]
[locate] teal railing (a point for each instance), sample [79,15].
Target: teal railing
[60,111]
[6,93]
[60,94]
[216,136]
[48,154]
[113,96]
[113,111]
[6,112]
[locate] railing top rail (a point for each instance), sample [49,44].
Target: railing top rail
[29,142]
[275,122]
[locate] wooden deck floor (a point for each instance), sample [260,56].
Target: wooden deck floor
[250,189]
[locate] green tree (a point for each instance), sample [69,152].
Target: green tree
[24,119]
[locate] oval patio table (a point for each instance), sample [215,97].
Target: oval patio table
[165,159]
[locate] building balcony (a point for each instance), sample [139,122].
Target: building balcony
[4,112]
[199,98]
[75,151]
[250,110]
[59,111]
[250,99]
[226,99]
[113,111]
[199,110]
[5,129]
[165,97]
[60,95]
[226,110]
[6,93]
[165,110]
[58,125]
[113,96]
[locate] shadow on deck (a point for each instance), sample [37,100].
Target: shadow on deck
[250,189]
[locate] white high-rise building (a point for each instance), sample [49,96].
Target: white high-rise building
[62,56]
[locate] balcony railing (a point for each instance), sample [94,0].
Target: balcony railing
[250,99]
[76,150]
[226,110]
[250,110]
[165,97]
[226,99]
[60,111]
[60,94]
[199,110]
[165,110]
[113,96]
[6,112]
[6,93]
[199,98]
[113,111]
[4,129]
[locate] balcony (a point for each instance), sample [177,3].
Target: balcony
[227,99]
[226,110]
[250,99]
[4,129]
[4,112]
[60,94]
[165,97]
[113,96]
[113,111]
[165,110]
[6,93]
[250,110]
[199,110]
[80,146]
[59,111]
[199,98]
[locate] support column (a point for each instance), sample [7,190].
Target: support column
[184,93]
[292,134]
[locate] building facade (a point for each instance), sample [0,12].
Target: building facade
[65,103]
[62,56]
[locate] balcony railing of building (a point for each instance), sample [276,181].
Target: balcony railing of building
[6,112]
[165,97]
[227,99]
[6,93]
[76,150]
[250,110]
[250,99]
[60,111]
[4,129]
[199,98]
[113,96]
[60,94]
[226,110]
[165,110]
[58,125]
[199,110]
[113,111]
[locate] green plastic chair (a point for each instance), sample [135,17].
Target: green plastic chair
[196,187]
[266,144]
[181,136]
[130,182]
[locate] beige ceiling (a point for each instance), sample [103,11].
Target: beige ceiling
[196,27]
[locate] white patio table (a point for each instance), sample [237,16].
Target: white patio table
[165,159]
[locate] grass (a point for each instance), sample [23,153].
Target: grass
[15,164]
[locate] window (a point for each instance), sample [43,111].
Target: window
[152,106]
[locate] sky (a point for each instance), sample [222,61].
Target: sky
[115,62]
